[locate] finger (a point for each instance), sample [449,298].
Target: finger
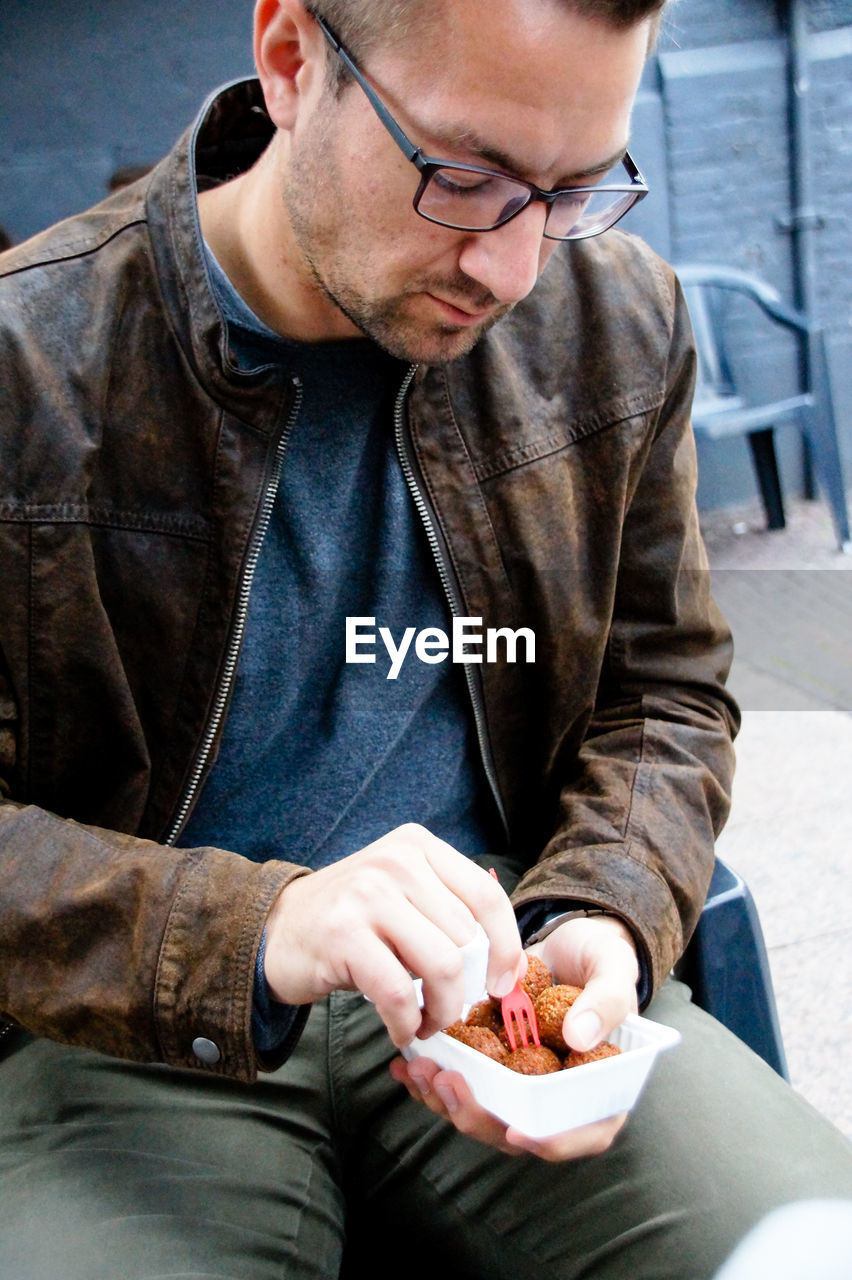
[402,942]
[429,954]
[459,1106]
[443,996]
[457,893]
[447,1095]
[491,907]
[603,1006]
[416,1076]
[599,957]
[607,998]
[398,863]
[588,1140]
[427,889]
[375,970]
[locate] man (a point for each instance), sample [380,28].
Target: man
[306,391]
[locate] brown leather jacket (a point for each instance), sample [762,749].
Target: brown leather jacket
[555,470]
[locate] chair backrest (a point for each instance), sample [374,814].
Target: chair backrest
[713,378]
[704,286]
[718,409]
[708,275]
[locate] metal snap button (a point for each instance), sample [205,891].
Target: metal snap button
[206,1051]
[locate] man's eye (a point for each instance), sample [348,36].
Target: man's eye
[462,182]
[574,199]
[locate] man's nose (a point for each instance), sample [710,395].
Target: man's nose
[508,260]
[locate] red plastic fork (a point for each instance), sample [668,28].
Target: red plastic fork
[518,1012]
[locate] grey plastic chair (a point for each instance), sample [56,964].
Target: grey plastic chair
[720,411]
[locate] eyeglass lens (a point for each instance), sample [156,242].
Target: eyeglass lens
[475,201]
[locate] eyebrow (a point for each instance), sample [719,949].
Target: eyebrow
[463,138]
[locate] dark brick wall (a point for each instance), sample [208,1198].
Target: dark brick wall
[826,15]
[693,24]
[722,78]
[86,87]
[697,24]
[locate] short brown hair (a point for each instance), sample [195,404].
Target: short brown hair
[360,24]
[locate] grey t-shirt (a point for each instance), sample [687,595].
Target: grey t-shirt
[320,756]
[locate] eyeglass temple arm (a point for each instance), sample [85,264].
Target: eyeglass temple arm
[406,146]
[634,172]
[401,139]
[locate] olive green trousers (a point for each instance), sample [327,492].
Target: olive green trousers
[116,1171]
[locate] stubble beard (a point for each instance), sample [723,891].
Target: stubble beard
[332,256]
[388,322]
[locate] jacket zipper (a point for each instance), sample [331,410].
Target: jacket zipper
[450,587]
[233,652]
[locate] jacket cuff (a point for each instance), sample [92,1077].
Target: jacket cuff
[205,978]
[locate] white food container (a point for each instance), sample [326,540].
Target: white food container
[541,1106]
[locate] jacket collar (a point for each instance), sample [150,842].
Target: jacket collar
[228,136]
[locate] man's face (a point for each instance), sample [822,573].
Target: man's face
[522,86]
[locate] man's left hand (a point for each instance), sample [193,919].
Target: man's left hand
[597,954]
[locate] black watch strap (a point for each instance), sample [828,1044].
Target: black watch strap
[577,913]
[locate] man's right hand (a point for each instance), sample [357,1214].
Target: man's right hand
[403,905]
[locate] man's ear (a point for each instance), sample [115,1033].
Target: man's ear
[289,53]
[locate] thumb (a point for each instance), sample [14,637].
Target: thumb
[603,1004]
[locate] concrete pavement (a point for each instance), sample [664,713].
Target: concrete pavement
[788,597]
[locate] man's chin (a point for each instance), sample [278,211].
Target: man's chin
[409,331]
[433,345]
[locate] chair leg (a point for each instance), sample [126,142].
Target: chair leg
[762,445]
[822,436]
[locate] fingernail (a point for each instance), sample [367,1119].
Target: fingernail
[586,1029]
[421,1080]
[504,984]
[448,1097]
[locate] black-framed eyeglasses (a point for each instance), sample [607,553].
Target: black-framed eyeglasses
[470,198]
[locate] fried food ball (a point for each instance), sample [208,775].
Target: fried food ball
[487,1013]
[480,1038]
[550,1010]
[577,1057]
[537,978]
[533,1060]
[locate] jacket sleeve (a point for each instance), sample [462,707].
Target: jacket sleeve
[108,941]
[131,948]
[650,788]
